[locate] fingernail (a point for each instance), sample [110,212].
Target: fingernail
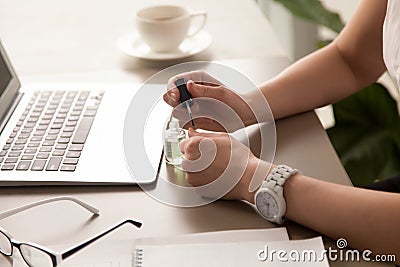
[173,97]
[191,129]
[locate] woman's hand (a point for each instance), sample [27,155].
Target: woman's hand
[201,84]
[212,156]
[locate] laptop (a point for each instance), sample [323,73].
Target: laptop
[53,134]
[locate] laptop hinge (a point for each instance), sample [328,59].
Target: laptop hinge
[11,110]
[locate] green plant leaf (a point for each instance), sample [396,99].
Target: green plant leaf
[366,135]
[314,11]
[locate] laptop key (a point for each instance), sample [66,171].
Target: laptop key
[70,123]
[33,119]
[58,153]
[48,143]
[51,137]
[61,116]
[33,144]
[75,147]
[63,110]
[30,151]
[36,138]
[56,126]
[11,160]
[44,122]
[24,135]
[21,141]
[54,164]
[49,112]
[42,127]
[27,157]
[17,147]
[79,103]
[66,105]
[68,168]
[54,131]
[1,159]
[42,156]
[3,153]
[91,108]
[45,149]
[66,134]
[23,165]
[29,125]
[63,140]
[27,130]
[14,154]
[71,161]
[47,117]
[61,146]
[73,118]
[83,130]
[59,121]
[69,129]
[39,133]
[38,165]
[6,147]
[90,113]
[73,154]
[8,167]
[9,141]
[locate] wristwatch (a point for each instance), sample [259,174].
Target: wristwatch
[269,199]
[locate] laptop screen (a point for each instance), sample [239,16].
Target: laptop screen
[9,87]
[5,75]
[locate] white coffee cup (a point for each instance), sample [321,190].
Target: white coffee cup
[164,27]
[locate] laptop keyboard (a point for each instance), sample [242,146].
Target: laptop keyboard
[52,131]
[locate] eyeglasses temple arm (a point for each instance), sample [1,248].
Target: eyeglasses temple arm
[73,250]
[8,213]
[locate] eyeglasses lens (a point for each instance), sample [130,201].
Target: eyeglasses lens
[35,257]
[5,245]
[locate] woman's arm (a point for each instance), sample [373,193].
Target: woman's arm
[366,219]
[351,62]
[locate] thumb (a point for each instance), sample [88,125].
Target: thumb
[192,132]
[200,90]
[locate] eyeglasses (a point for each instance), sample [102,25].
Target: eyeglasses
[35,255]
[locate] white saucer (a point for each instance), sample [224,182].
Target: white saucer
[132,45]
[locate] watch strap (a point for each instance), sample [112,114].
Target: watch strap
[278,177]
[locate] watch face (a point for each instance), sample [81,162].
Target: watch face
[267,205]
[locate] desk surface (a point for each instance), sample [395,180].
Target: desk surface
[83,40]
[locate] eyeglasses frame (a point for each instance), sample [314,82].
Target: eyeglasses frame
[57,257]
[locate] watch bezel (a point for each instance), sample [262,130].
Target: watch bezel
[279,200]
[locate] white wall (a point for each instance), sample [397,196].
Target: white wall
[345,8]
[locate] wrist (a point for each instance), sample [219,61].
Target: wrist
[256,172]
[257,108]
[248,115]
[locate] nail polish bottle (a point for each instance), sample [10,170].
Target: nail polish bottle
[172,136]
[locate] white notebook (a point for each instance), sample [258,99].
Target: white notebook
[199,251]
